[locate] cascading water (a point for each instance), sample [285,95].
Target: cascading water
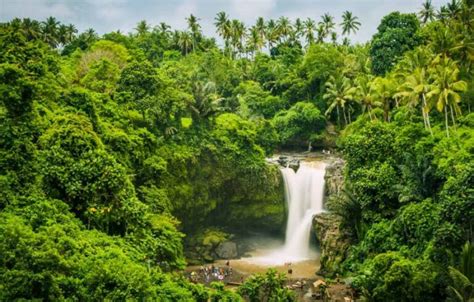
[304,191]
[304,196]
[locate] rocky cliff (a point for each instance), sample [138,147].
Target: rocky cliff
[333,238]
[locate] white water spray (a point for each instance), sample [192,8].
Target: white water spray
[304,191]
[304,196]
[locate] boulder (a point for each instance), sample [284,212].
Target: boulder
[227,250]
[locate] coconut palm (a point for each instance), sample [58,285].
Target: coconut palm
[271,33]
[334,37]
[164,28]
[49,30]
[31,28]
[416,83]
[365,95]
[309,28]
[206,100]
[221,23]
[327,22]
[142,27]
[260,26]
[185,41]
[447,86]
[195,29]
[339,92]
[254,41]
[427,12]
[237,35]
[384,90]
[349,23]
[284,27]
[320,32]
[298,28]
[71,32]
[453,8]
[414,91]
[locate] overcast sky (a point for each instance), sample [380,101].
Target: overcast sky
[109,15]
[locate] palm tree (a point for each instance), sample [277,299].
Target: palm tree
[254,41]
[383,90]
[271,33]
[223,28]
[309,28]
[446,88]
[365,95]
[195,29]
[346,41]
[221,22]
[349,23]
[284,27]
[260,26]
[237,35]
[453,8]
[427,12]
[334,37]
[339,92]
[71,32]
[31,28]
[298,28]
[50,31]
[142,27]
[206,100]
[62,34]
[462,279]
[327,21]
[185,41]
[164,28]
[320,32]
[414,91]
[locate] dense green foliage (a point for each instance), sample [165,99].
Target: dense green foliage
[121,154]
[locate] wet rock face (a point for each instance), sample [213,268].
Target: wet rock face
[334,242]
[334,177]
[289,162]
[227,250]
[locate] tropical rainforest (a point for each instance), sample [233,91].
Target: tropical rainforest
[123,156]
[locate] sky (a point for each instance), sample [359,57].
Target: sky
[110,15]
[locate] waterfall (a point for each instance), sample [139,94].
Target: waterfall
[304,195]
[304,192]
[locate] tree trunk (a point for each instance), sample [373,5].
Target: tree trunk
[446,119]
[344,114]
[452,117]
[426,114]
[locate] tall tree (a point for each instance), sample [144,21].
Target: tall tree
[195,28]
[427,12]
[284,27]
[349,23]
[142,27]
[339,92]
[260,26]
[185,41]
[327,22]
[309,28]
[365,96]
[298,28]
[396,34]
[50,29]
[447,87]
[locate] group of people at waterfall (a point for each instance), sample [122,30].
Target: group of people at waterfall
[212,273]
